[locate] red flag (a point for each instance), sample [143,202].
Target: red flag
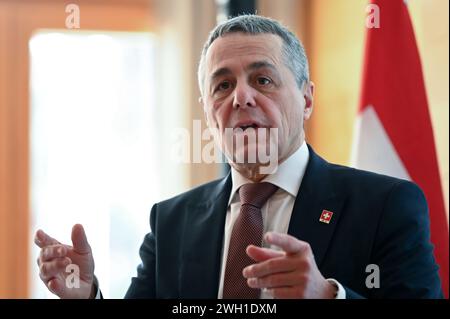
[394,133]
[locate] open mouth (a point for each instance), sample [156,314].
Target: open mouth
[245,127]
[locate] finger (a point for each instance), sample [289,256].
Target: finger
[288,243]
[275,281]
[261,254]
[283,292]
[50,252]
[42,239]
[79,240]
[53,268]
[268,267]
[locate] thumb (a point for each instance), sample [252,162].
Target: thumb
[79,240]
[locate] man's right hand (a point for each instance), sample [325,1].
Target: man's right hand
[55,257]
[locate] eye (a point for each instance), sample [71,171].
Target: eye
[223,86]
[262,80]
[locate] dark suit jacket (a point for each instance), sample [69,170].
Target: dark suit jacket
[376,220]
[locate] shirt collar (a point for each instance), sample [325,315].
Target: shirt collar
[288,176]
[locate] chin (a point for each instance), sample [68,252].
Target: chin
[249,153]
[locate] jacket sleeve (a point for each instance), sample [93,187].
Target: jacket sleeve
[402,248]
[143,285]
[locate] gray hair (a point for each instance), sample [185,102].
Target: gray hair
[293,52]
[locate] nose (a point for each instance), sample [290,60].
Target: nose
[243,96]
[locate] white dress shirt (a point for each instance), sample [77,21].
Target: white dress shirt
[276,212]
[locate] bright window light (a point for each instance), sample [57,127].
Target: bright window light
[94,135]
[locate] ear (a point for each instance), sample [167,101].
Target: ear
[309,100]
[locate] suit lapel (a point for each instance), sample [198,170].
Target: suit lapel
[203,241]
[316,194]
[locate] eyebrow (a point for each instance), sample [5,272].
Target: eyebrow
[220,72]
[253,66]
[261,64]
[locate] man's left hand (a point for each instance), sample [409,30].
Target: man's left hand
[286,274]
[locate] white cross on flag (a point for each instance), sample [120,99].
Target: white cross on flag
[325,217]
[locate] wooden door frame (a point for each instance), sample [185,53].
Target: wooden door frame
[19,20]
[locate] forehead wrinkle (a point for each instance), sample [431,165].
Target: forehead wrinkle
[260,65]
[251,67]
[260,53]
[267,47]
[220,72]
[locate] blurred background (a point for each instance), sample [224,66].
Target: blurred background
[87,114]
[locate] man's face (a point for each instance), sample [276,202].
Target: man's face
[247,84]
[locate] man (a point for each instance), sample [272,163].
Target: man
[308,229]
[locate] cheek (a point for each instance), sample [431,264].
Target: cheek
[220,112]
[270,107]
[285,115]
[274,112]
[294,121]
[293,113]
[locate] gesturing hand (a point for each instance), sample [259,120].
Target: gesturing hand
[55,257]
[290,273]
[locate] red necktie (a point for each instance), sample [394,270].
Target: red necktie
[247,230]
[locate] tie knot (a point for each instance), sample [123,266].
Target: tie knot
[256,194]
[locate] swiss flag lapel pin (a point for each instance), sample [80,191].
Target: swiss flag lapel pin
[325,217]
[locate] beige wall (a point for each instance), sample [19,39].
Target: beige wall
[181,27]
